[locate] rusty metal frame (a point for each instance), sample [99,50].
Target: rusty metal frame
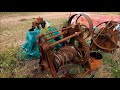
[95,44]
[87,18]
[72,32]
[47,55]
[46,52]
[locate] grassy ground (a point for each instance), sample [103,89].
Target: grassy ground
[110,67]
[12,36]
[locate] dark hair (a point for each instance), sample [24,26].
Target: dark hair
[32,28]
[43,24]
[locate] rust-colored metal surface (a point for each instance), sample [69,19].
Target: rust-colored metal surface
[106,37]
[64,55]
[70,52]
[89,27]
[53,60]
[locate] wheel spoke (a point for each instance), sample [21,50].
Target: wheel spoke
[108,33]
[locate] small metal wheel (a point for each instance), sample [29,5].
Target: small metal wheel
[86,24]
[105,37]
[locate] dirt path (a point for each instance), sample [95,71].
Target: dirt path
[46,15]
[97,18]
[13,17]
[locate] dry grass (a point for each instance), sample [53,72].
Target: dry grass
[12,36]
[111,65]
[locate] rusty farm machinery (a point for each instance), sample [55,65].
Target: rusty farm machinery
[81,53]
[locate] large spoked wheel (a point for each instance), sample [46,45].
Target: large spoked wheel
[105,37]
[85,24]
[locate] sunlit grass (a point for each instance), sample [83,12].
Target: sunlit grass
[12,36]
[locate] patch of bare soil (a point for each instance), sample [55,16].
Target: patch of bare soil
[49,15]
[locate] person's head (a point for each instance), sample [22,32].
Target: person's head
[35,24]
[39,20]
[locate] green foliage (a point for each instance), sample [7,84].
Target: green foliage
[111,65]
[64,22]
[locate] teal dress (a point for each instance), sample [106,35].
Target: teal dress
[30,47]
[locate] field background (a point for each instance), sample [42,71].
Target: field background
[13,27]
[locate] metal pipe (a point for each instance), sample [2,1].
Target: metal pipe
[53,37]
[59,30]
[64,39]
